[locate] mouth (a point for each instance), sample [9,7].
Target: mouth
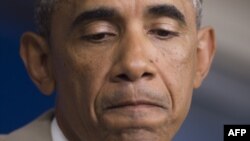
[134,114]
[125,109]
[134,105]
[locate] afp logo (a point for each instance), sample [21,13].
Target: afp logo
[236,132]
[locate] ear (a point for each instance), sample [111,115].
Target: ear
[204,54]
[34,51]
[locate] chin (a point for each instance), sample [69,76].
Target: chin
[137,134]
[141,123]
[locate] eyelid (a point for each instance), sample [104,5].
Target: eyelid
[99,32]
[99,27]
[99,37]
[165,26]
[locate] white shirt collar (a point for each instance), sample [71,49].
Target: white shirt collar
[56,132]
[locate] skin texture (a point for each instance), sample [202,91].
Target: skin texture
[125,78]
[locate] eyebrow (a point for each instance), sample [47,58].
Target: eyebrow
[167,10]
[109,13]
[98,13]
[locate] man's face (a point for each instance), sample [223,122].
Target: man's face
[124,70]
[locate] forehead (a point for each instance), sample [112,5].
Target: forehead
[124,6]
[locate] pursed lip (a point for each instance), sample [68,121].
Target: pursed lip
[134,104]
[134,98]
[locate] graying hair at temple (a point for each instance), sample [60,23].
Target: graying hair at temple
[45,8]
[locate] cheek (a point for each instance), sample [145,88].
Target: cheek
[177,71]
[79,77]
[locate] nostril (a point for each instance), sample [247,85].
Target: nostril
[123,77]
[147,75]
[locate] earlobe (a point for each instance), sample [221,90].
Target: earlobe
[204,54]
[34,52]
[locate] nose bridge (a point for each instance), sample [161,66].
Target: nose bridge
[133,57]
[132,48]
[134,45]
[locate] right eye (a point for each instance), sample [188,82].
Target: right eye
[99,37]
[163,34]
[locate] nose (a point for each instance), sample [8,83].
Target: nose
[133,60]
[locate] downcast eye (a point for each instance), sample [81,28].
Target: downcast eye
[99,37]
[163,34]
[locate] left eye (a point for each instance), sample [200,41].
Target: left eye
[163,34]
[99,37]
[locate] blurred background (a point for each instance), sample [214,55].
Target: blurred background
[224,97]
